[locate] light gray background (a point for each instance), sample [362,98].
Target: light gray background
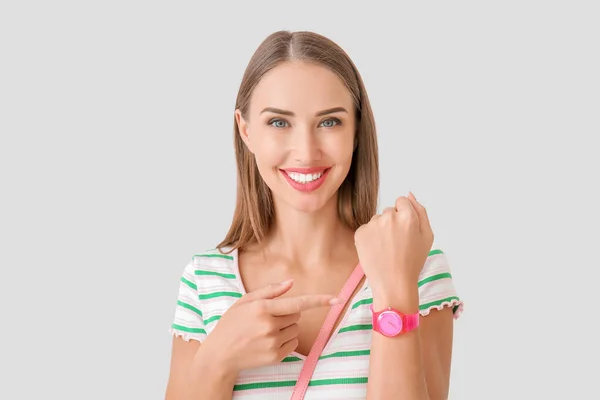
[117,165]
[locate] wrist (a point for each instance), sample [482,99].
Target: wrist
[404,298]
[214,360]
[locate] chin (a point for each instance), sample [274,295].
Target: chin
[307,206]
[308,203]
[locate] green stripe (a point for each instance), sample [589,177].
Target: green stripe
[189,283]
[263,385]
[225,256]
[222,275]
[189,307]
[437,302]
[211,319]
[218,294]
[338,381]
[356,328]
[361,302]
[346,354]
[435,278]
[291,359]
[186,329]
[434,252]
[317,382]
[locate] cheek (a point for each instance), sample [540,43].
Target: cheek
[341,148]
[268,151]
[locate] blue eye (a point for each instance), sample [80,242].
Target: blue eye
[337,122]
[277,120]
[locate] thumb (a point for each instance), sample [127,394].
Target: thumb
[268,292]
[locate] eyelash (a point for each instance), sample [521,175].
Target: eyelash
[336,120]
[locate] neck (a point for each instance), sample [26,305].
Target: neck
[309,240]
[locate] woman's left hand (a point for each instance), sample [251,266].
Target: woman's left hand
[393,246]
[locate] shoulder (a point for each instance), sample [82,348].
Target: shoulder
[216,276]
[208,267]
[209,262]
[214,259]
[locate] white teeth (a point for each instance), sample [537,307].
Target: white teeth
[304,178]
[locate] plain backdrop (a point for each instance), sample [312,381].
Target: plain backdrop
[117,165]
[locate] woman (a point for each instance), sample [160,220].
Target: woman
[250,311]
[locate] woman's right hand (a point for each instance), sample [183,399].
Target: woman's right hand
[260,328]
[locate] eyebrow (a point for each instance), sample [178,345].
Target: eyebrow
[291,114]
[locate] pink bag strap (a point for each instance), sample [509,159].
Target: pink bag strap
[324,333]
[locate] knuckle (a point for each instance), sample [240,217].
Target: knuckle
[401,201]
[406,214]
[261,306]
[269,325]
[386,217]
[265,329]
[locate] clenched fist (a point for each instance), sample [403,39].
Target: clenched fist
[393,246]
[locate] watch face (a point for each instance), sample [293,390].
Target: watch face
[390,323]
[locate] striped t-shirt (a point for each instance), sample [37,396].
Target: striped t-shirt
[211,283]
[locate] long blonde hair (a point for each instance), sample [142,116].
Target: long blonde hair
[358,194]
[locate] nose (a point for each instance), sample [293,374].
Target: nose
[306,145]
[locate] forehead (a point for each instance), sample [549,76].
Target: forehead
[302,88]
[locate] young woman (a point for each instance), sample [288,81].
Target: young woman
[250,311]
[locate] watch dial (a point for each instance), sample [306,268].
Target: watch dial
[390,324]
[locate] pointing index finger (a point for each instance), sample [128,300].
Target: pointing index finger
[292,305]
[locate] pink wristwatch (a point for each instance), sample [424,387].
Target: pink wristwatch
[391,322]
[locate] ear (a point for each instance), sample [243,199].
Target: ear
[243,129]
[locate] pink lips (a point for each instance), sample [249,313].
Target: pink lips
[310,186]
[312,170]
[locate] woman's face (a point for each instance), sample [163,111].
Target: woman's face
[300,129]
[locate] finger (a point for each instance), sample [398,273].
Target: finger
[286,320]
[404,203]
[421,212]
[292,305]
[289,333]
[268,292]
[389,210]
[287,348]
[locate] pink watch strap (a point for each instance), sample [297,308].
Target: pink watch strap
[334,312]
[410,322]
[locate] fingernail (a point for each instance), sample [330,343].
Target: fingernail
[287,282]
[334,301]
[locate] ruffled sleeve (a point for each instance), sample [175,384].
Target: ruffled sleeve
[436,286]
[188,322]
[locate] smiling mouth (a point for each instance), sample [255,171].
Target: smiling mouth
[305,179]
